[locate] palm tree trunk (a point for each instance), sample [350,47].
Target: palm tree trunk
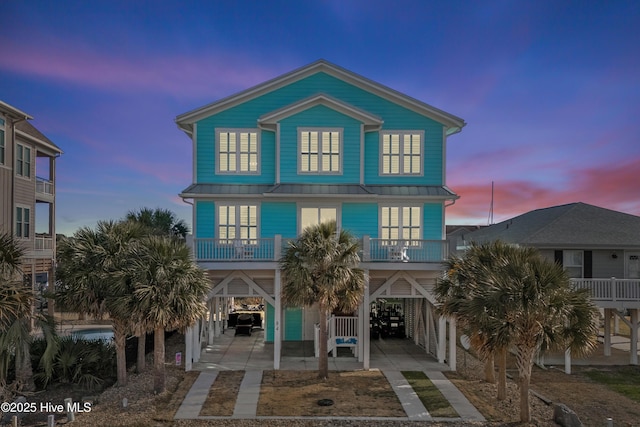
[524,360]
[323,360]
[141,360]
[120,338]
[158,360]
[24,372]
[489,369]
[502,373]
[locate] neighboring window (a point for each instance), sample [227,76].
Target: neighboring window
[316,215]
[401,223]
[23,222]
[401,153]
[238,151]
[2,133]
[23,161]
[238,222]
[573,262]
[320,151]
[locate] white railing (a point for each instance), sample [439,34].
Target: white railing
[342,331]
[44,186]
[399,250]
[612,289]
[43,243]
[234,249]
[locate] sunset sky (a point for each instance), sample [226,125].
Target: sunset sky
[550,90]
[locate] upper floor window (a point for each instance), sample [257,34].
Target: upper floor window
[401,223]
[2,143]
[401,153]
[314,215]
[573,262]
[23,222]
[238,223]
[23,161]
[238,151]
[320,151]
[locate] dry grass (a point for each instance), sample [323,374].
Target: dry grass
[355,393]
[221,400]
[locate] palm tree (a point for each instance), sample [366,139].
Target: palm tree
[513,297]
[92,279]
[16,302]
[321,268]
[161,221]
[169,289]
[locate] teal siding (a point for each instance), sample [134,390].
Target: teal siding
[278,218]
[360,218]
[246,115]
[432,220]
[205,219]
[293,324]
[320,117]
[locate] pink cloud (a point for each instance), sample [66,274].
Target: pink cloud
[611,186]
[167,173]
[219,73]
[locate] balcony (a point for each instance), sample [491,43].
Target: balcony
[270,250]
[611,292]
[44,189]
[43,243]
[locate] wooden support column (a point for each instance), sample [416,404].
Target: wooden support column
[366,336]
[277,322]
[442,339]
[452,343]
[607,331]
[634,337]
[188,349]
[567,361]
[210,332]
[195,340]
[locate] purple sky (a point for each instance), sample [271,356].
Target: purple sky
[550,90]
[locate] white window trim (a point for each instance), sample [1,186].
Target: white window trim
[401,154]
[566,258]
[320,130]
[15,224]
[238,224]
[335,206]
[400,225]
[238,131]
[22,175]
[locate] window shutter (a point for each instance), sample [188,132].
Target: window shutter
[558,257]
[588,264]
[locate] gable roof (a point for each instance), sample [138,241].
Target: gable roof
[371,121]
[452,123]
[566,226]
[29,131]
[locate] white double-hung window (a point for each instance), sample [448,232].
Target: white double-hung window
[401,153]
[23,222]
[401,223]
[573,261]
[320,151]
[23,161]
[237,222]
[238,151]
[314,215]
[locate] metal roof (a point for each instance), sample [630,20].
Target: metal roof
[204,190]
[571,225]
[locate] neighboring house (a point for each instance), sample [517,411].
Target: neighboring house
[316,144]
[27,192]
[599,248]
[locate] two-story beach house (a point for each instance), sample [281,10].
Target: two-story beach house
[27,193]
[320,143]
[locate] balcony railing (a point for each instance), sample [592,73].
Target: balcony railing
[44,186]
[270,249]
[43,243]
[613,289]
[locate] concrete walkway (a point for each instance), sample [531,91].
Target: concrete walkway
[251,355]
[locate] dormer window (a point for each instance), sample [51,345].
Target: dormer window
[320,151]
[401,153]
[238,151]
